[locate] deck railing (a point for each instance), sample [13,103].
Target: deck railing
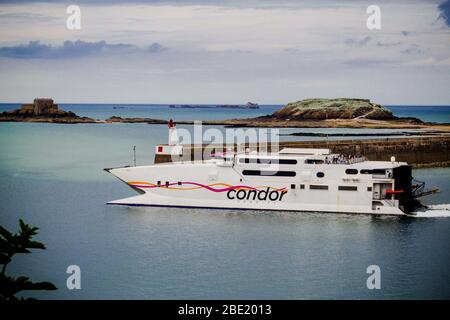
[344,159]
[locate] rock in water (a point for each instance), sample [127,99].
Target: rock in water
[43,110]
[341,108]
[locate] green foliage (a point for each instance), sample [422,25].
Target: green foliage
[10,244]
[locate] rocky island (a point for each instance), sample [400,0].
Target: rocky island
[43,110]
[322,109]
[331,113]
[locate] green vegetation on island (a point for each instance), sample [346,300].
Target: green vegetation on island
[341,108]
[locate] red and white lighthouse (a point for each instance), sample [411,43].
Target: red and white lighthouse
[173,147]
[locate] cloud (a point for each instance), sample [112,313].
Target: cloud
[272,55]
[26,16]
[155,47]
[444,8]
[358,42]
[414,48]
[370,62]
[388,44]
[71,49]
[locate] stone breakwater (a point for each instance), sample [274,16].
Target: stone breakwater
[419,152]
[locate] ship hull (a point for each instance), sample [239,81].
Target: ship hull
[211,186]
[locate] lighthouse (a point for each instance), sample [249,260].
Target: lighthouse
[173,135]
[173,147]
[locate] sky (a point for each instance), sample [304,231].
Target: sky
[199,51]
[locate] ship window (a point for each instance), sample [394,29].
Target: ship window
[351,171]
[302,186]
[287,161]
[267,161]
[167,183]
[348,188]
[379,171]
[292,186]
[269,173]
[313,161]
[365,171]
[179,183]
[159,183]
[320,174]
[369,188]
[318,187]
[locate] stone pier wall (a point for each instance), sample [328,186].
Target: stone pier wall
[419,152]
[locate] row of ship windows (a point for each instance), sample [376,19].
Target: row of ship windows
[268,161]
[293,161]
[318,174]
[278,161]
[324,187]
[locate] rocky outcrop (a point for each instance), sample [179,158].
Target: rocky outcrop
[341,108]
[43,110]
[115,119]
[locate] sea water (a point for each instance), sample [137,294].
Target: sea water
[51,176]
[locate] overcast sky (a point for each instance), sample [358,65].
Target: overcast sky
[225,51]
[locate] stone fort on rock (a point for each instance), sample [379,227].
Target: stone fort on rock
[40,106]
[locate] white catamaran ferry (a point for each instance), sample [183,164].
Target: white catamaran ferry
[292,179]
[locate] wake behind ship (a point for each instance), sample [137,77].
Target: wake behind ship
[293,179]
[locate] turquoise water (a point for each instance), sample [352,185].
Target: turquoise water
[426,113]
[52,177]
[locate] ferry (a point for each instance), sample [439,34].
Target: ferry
[293,179]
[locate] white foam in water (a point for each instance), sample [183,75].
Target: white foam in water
[434,211]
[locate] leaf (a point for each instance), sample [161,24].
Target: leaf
[40,286]
[9,286]
[5,234]
[27,231]
[22,250]
[34,245]
[4,259]
[6,247]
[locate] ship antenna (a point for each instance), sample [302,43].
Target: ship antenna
[326,115]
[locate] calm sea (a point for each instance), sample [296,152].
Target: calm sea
[52,177]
